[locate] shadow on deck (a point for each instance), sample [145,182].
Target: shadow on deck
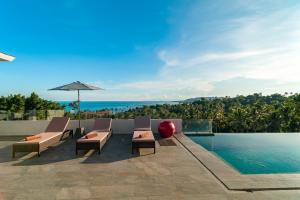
[116,149]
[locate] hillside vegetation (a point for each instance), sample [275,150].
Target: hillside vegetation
[19,103]
[252,113]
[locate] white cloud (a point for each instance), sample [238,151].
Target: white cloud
[264,46]
[165,89]
[260,44]
[210,57]
[171,84]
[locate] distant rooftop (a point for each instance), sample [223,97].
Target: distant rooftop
[6,57]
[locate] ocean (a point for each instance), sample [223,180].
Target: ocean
[115,106]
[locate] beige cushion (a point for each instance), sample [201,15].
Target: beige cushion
[99,138]
[149,136]
[45,136]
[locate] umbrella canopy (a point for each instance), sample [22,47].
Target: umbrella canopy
[5,57]
[77,86]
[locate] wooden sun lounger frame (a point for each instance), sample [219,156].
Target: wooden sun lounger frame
[88,145]
[143,144]
[38,147]
[136,144]
[57,124]
[95,144]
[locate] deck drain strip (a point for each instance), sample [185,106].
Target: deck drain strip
[224,184]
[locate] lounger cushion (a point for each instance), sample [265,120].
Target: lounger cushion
[102,125]
[91,135]
[143,134]
[45,136]
[146,136]
[99,138]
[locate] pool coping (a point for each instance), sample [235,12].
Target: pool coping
[234,180]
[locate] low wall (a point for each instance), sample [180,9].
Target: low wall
[119,126]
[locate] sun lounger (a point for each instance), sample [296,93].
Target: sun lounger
[99,135]
[142,134]
[40,142]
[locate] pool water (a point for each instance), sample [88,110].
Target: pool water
[254,153]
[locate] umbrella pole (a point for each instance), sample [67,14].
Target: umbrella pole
[78,107]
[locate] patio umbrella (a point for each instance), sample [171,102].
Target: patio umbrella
[5,57]
[77,86]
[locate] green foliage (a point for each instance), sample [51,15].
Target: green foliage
[252,113]
[19,103]
[15,103]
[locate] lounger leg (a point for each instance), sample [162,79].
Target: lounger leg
[39,154]
[13,154]
[99,151]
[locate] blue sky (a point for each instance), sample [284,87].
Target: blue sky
[151,50]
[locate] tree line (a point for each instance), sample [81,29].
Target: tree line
[19,104]
[252,113]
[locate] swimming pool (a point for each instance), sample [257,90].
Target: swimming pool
[254,153]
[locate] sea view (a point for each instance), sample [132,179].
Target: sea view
[150,100]
[115,106]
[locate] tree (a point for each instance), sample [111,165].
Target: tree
[15,103]
[19,103]
[33,102]
[252,113]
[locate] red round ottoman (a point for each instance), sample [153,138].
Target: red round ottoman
[166,129]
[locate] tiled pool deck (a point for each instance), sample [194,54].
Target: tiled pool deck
[172,173]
